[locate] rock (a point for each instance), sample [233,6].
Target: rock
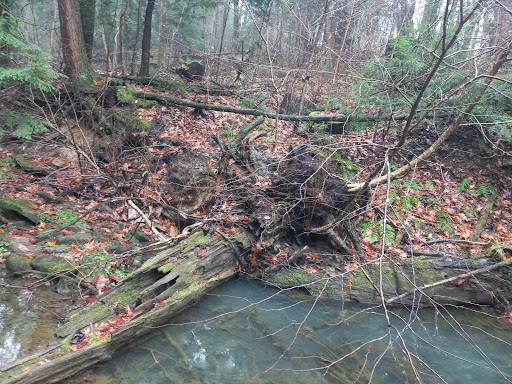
[12,206]
[18,264]
[54,250]
[50,264]
[58,163]
[118,249]
[290,105]
[137,261]
[64,288]
[75,238]
[21,245]
[191,71]
[49,198]
[138,235]
[26,166]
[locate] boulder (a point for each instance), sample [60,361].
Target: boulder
[18,264]
[191,71]
[290,105]
[51,264]
[17,208]
[75,238]
[21,245]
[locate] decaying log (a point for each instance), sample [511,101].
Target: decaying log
[270,115]
[418,281]
[178,276]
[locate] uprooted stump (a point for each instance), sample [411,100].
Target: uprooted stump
[176,278]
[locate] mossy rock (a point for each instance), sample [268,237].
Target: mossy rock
[51,264]
[18,207]
[75,238]
[139,236]
[18,264]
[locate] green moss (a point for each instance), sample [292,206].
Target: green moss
[19,206]
[166,267]
[125,94]
[65,347]
[51,264]
[24,164]
[96,340]
[124,119]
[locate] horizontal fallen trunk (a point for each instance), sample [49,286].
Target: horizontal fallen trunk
[418,281]
[175,279]
[270,115]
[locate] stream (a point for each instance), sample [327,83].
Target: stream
[27,316]
[244,332]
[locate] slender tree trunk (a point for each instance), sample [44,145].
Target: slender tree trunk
[122,20]
[146,40]
[76,64]
[137,38]
[224,24]
[175,31]
[162,35]
[236,24]
[88,18]
[104,39]
[115,53]
[404,16]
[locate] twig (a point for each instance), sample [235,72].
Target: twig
[438,241]
[147,221]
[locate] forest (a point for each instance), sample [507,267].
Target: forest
[356,152]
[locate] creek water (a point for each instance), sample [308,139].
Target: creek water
[246,333]
[27,316]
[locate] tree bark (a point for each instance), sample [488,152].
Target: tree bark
[162,33]
[236,24]
[137,38]
[146,40]
[76,64]
[88,18]
[120,53]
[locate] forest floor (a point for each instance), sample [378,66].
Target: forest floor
[433,210]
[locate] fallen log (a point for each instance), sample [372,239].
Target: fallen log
[267,114]
[418,281]
[173,280]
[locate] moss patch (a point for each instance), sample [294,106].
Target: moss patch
[10,205]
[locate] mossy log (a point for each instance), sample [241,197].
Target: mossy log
[176,277]
[418,281]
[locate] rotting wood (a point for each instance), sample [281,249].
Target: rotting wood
[192,276]
[451,279]
[267,114]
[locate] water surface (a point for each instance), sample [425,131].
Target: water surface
[247,333]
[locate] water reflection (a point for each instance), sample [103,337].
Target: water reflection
[246,333]
[25,318]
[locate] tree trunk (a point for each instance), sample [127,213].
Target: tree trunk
[104,39]
[88,17]
[122,20]
[146,40]
[162,33]
[236,24]
[137,38]
[76,64]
